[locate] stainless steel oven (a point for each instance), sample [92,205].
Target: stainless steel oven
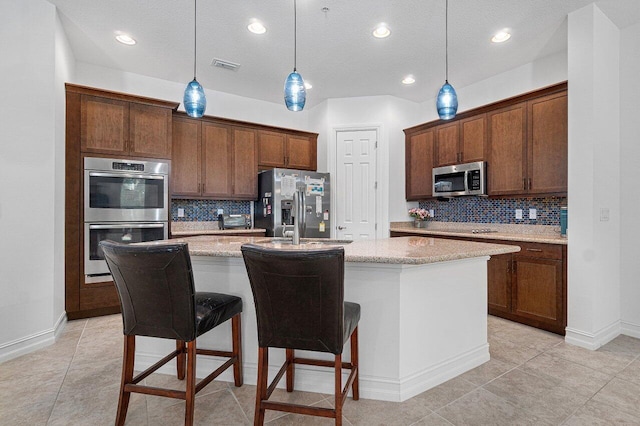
[95,267]
[125,190]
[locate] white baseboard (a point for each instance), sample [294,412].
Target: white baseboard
[317,379]
[593,341]
[28,344]
[630,329]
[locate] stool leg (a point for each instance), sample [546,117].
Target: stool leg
[261,390]
[180,359]
[355,387]
[290,369]
[338,389]
[128,359]
[191,383]
[236,332]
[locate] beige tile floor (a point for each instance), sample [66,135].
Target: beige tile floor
[533,378]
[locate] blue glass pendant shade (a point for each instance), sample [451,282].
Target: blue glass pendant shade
[295,95]
[195,103]
[447,102]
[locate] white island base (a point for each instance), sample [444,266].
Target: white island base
[421,325]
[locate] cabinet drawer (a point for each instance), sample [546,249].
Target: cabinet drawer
[543,251]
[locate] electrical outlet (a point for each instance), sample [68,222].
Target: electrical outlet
[431,212]
[533,214]
[180,212]
[519,214]
[220,211]
[604,214]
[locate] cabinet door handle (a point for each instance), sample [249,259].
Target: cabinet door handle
[529,183]
[524,183]
[534,249]
[509,266]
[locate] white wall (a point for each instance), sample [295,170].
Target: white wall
[629,165]
[30,280]
[594,179]
[219,104]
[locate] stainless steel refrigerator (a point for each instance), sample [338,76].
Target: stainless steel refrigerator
[275,204]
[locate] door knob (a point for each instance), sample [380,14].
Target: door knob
[340,228]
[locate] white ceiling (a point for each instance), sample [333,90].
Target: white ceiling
[336,51]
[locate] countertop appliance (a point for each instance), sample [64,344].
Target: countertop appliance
[274,209]
[234,221]
[460,179]
[124,201]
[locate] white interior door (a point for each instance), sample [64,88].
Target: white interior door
[355,184]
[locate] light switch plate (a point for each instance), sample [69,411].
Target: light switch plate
[533,214]
[180,212]
[604,214]
[431,212]
[220,211]
[519,214]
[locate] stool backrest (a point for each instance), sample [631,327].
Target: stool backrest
[299,297]
[155,288]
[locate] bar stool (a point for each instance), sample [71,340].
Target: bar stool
[299,298]
[157,297]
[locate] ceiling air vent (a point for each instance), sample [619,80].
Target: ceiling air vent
[225,64]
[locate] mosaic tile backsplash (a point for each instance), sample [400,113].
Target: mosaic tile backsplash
[206,210]
[488,210]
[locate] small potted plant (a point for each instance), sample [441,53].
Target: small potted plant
[420,217]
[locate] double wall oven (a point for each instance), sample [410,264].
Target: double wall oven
[125,201]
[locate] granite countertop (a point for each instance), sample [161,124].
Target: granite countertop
[186,229]
[522,233]
[402,250]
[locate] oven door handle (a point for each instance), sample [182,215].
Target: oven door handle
[128,225]
[126,175]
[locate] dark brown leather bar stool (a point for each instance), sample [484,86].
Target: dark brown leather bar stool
[157,297]
[299,298]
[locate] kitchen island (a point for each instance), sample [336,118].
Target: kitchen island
[424,311]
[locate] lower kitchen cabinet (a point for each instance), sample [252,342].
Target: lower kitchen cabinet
[529,287]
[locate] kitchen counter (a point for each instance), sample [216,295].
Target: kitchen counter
[423,311]
[189,229]
[404,250]
[522,233]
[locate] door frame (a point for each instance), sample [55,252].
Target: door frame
[382,174]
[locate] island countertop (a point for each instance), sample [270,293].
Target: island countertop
[402,250]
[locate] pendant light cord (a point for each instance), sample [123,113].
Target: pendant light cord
[195,36]
[295,35]
[446,43]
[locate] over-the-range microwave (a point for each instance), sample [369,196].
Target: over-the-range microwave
[460,179]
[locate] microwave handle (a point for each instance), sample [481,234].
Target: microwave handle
[128,225]
[125,175]
[467,177]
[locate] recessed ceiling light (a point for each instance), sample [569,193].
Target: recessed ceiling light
[256,27]
[307,85]
[501,36]
[408,80]
[125,39]
[381,31]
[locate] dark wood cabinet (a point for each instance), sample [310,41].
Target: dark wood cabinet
[499,270]
[280,149]
[419,160]
[523,140]
[124,128]
[462,141]
[104,124]
[529,287]
[213,160]
[507,150]
[528,147]
[548,144]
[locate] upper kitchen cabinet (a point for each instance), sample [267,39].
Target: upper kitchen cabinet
[289,150]
[213,160]
[123,125]
[548,144]
[461,141]
[419,158]
[528,147]
[507,150]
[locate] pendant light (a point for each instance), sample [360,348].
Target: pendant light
[447,101]
[295,94]
[195,102]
